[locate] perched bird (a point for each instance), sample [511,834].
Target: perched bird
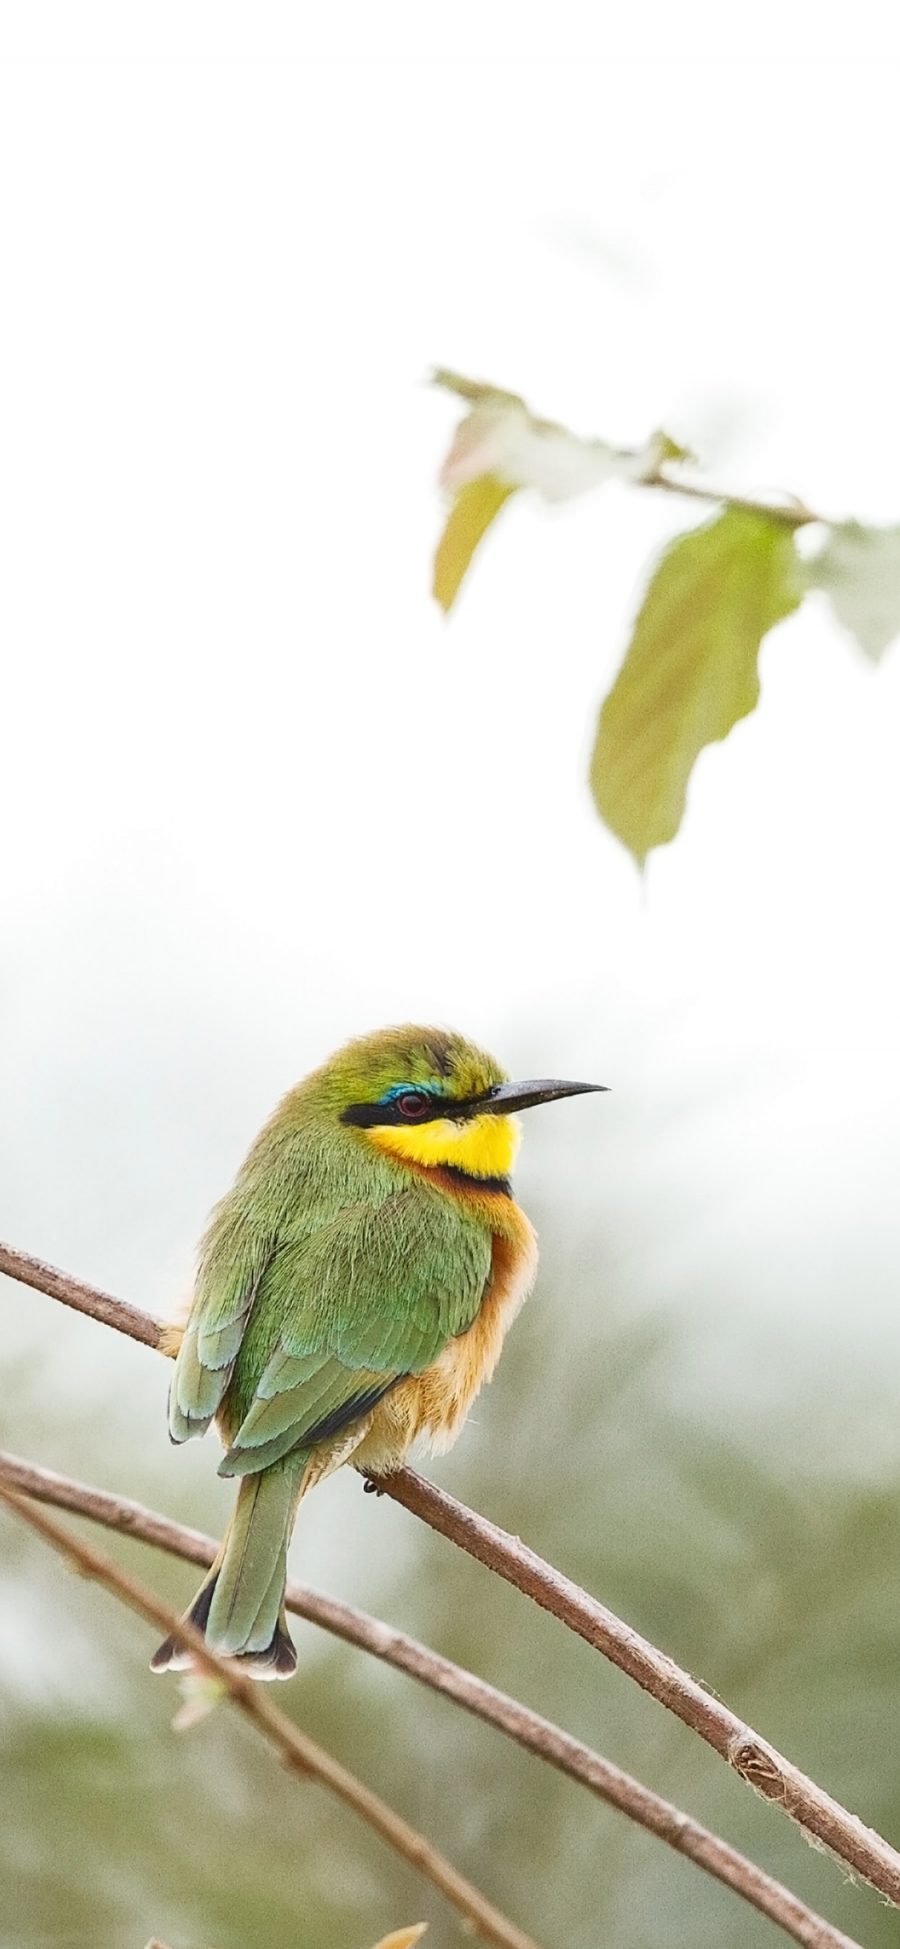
[353,1292]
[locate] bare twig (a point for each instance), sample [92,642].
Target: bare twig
[822,1818]
[535,1733]
[300,1754]
[789,514]
[85,1299]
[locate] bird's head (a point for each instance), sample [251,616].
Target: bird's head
[432,1099]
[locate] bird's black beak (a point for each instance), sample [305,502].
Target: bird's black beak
[507,1097]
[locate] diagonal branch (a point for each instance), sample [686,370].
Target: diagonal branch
[529,1729]
[300,1754]
[821,1817]
[771,1775]
[85,1299]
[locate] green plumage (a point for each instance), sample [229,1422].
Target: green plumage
[350,1279]
[328,1272]
[248,1594]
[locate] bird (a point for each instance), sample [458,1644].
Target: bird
[353,1292]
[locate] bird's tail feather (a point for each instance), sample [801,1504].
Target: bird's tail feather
[240,1604]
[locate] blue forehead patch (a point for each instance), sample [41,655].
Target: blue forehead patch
[400,1089]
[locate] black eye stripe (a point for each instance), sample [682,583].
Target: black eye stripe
[365,1116]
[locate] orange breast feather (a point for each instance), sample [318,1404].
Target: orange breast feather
[434,1404]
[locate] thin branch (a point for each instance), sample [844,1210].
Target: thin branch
[300,1754]
[766,1770]
[790,514]
[85,1299]
[829,1824]
[529,1729]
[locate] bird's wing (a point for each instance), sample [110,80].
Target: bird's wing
[344,1313]
[232,1264]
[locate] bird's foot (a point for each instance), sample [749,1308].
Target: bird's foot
[372,1486]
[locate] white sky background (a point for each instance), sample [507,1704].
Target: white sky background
[257,794]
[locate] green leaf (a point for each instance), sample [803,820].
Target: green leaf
[475,507]
[859,570]
[690,671]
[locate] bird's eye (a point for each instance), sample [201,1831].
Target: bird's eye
[413,1105]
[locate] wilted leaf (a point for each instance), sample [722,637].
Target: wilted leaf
[690,671]
[500,436]
[403,1938]
[471,515]
[503,438]
[500,446]
[482,444]
[859,570]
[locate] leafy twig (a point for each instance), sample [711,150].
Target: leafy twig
[535,1733]
[821,1817]
[646,467]
[690,670]
[300,1755]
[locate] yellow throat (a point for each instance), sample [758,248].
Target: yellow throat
[485,1147]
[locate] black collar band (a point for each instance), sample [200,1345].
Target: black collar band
[471,1181]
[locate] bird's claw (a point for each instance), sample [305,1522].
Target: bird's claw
[372,1487]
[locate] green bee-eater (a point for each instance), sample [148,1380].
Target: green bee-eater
[353,1293]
